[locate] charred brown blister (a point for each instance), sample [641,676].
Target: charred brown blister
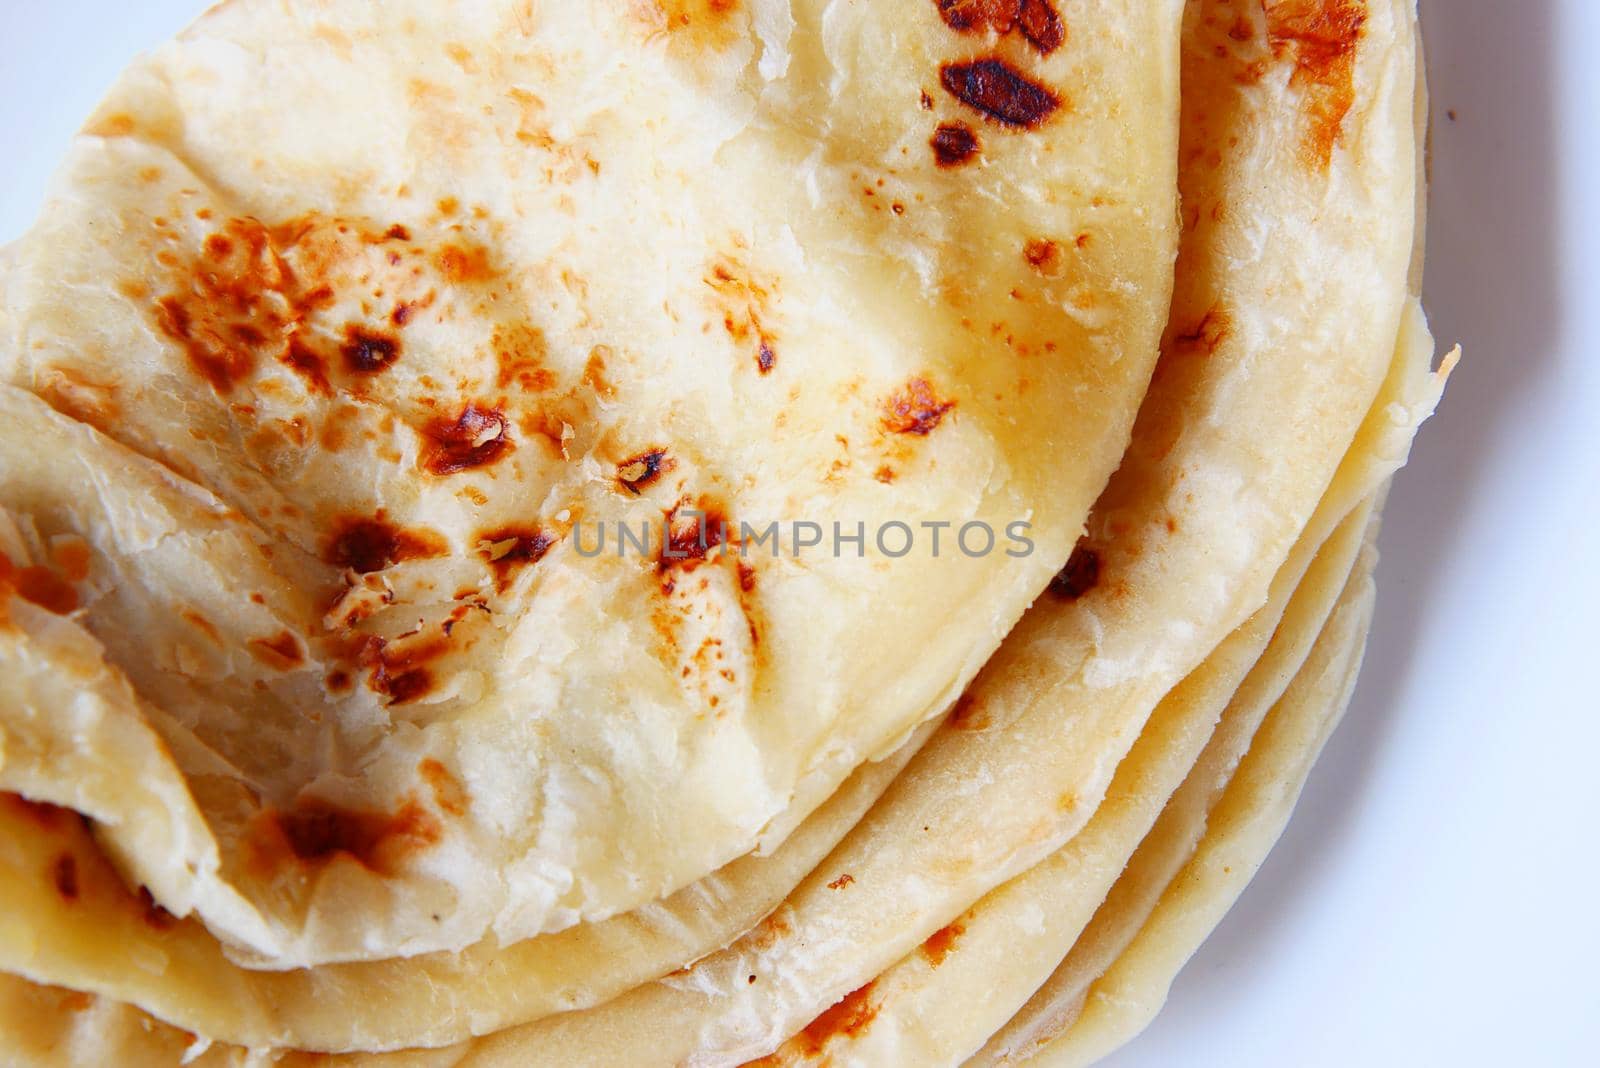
[941,942]
[691,536]
[236,300]
[477,437]
[915,409]
[449,796]
[954,143]
[399,669]
[1041,24]
[849,1017]
[1322,36]
[372,543]
[1038,20]
[217,360]
[965,16]
[316,832]
[1206,335]
[281,651]
[1001,92]
[1042,254]
[638,472]
[307,363]
[367,352]
[507,549]
[1080,575]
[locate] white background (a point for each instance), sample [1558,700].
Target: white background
[1436,899]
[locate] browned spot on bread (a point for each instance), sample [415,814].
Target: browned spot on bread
[1322,36]
[1207,334]
[372,543]
[953,144]
[639,471]
[398,669]
[237,299]
[998,90]
[594,373]
[519,353]
[1042,25]
[477,437]
[1080,575]
[940,943]
[37,585]
[554,422]
[1037,20]
[316,832]
[508,549]
[745,303]
[281,651]
[852,1015]
[448,793]
[692,537]
[219,361]
[914,409]
[367,352]
[338,680]
[1043,255]
[64,874]
[306,362]
[842,881]
[769,930]
[464,264]
[966,16]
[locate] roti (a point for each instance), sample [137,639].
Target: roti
[1237,447]
[102,937]
[367,325]
[942,1002]
[1241,830]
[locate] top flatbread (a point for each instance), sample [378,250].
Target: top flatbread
[348,324]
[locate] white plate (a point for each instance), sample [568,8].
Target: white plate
[1436,899]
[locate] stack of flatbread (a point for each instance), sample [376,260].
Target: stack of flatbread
[663,532]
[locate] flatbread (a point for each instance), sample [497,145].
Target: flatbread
[1241,830]
[45,1027]
[940,1004]
[943,1001]
[371,316]
[105,939]
[1237,445]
